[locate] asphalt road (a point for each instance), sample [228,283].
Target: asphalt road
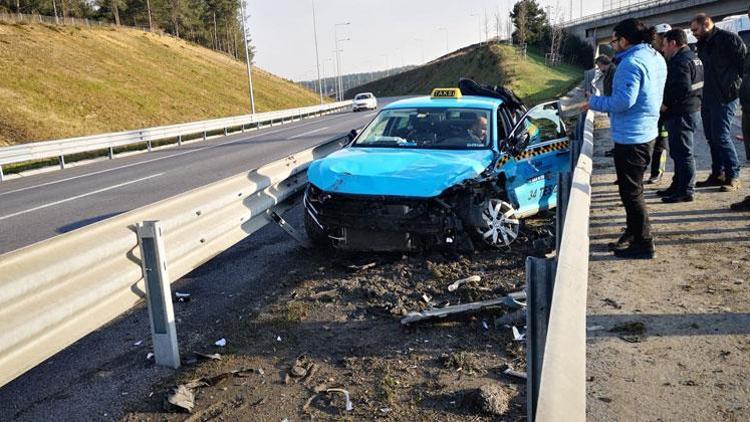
[41,206]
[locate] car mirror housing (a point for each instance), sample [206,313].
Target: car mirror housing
[353,134]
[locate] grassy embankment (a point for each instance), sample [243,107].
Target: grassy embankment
[530,79]
[60,82]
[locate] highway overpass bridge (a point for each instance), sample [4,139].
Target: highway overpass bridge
[597,29]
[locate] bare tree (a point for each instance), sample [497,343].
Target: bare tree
[522,23]
[116,12]
[556,34]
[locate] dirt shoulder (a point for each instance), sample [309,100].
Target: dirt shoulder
[669,338]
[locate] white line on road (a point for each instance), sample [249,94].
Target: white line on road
[309,133]
[54,182]
[73,198]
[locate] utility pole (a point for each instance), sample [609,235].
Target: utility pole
[317,56]
[338,51]
[247,58]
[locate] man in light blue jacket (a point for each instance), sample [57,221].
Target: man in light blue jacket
[634,105]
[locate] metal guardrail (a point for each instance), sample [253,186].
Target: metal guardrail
[620,11]
[56,291]
[557,289]
[61,148]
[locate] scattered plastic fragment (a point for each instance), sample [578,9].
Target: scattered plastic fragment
[473,279]
[517,336]
[182,397]
[278,338]
[221,342]
[181,297]
[349,405]
[211,356]
[513,373]
[149,356]
[138,343]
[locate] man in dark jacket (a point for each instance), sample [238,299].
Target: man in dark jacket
[607,68]
[682,103]
[723,54]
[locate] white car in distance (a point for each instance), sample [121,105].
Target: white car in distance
[364,101]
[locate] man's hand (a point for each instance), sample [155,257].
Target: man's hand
[585,107]
[663,108]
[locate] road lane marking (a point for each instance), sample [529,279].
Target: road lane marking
[309,133]
[73,198]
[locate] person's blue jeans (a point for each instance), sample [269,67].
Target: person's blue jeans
[681,129]
[717,125]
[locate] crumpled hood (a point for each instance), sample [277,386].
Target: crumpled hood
[419,173]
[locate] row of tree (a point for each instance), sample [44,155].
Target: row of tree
[214,24]
[542,30]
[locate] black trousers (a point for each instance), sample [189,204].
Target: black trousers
[661,149]
[631,163]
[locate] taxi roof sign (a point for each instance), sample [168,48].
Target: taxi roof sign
[446,93]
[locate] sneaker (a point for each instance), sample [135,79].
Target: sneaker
[670,191]
[622,242]
[637,250]
[673,199]
[731,185]
[654,179]
[713,180]
[743,205]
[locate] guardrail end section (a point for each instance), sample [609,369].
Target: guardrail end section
[159,294]
[540,280]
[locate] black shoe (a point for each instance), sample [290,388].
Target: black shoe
[673,199]
[713,180]
[654,179]
[731,185]
[622,242]
[743,205]
[670,191]
[637,250]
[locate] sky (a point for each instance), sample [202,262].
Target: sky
[381,33]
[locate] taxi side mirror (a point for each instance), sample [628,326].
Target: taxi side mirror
[353,134]
[520,141]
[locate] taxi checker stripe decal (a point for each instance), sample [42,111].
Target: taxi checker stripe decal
[555,146]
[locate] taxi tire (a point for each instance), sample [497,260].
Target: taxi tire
[479,232]
[317,236]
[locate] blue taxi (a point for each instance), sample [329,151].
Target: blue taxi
[445,170]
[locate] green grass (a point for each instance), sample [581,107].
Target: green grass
[529,78]
[60,82]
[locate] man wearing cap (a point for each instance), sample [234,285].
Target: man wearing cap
[661,148]
[681,111]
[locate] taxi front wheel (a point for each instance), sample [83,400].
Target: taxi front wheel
[500,226]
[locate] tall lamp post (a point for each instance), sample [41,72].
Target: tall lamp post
[247,58]
[317,57]
[338,57]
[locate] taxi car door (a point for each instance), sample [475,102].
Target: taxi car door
[541,150]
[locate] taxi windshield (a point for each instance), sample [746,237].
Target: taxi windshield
[433,128]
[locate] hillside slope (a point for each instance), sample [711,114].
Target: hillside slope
[67,81]
[530,79]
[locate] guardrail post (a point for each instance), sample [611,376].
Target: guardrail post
[62,162]
[575,152]
[148,144]
[179,140]
[204,135]
[564,183]
[226,131]
[111,153]
[2,176]
[540,281]
[159,294]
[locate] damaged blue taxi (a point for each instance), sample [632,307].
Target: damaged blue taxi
[459,168]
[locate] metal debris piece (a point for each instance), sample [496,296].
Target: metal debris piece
[426,298]
[511,318]
[221,342]
[513,373]
[510,301]
[517,335]
[210,356]
[291,231]
[349,405]
[182,397]
[455,285]
[357,268]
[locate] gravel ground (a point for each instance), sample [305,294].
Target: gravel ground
[669,338]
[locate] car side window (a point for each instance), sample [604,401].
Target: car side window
[543,124]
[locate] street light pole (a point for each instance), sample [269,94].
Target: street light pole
[247,58]
[339,78]
[317,57]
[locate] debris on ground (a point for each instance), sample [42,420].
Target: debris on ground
[358,268]
[630,332]
[511,318]
[182,397]
[493,399]
[348,404]
[455,285]
[510,301]
[209,356]
[221,342]
[508,370]
[181,297]
[611,302]
[517,335]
